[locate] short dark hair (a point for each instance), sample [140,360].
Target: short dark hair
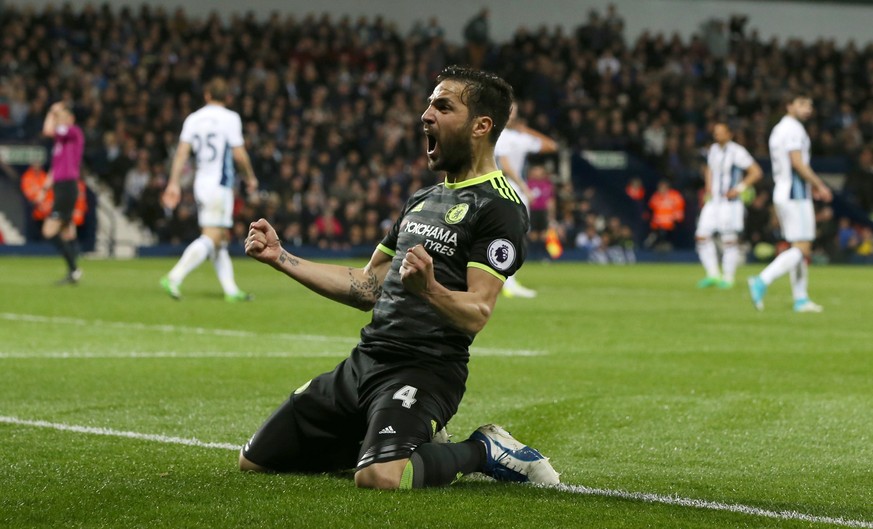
[217,89]
[485,94]
[794,95]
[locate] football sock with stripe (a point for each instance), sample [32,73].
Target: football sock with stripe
[800,280]
[437,464]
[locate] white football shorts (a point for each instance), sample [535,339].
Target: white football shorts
[720,217]
[797,218]
[214,207]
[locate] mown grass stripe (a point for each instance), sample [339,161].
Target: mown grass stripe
[349,342]
[572,489]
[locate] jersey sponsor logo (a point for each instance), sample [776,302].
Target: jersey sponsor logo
[501,254]
[438,239]
[457,213]
[434,232]
[387,430]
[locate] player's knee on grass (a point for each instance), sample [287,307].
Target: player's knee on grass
[247,466]
[392,436]
[381,475]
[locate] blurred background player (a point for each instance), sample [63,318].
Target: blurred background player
[795,182]
[63,180]
[214,134]
[514,144]
[730,169]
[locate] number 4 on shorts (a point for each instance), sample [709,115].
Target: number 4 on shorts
[406,395]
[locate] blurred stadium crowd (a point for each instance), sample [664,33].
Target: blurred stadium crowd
[331,107]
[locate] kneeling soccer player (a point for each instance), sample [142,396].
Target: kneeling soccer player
[432,285]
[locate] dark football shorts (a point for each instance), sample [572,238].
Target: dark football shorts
[362,412]
[66,194]
[539,220]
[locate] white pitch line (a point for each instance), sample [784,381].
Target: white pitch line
[75,355]
[118,433]
[61,320]
[712,505]
[573,489]
[79,355]
[348,342]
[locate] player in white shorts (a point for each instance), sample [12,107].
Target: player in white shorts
[214,135]
[730,169]
[514,144]
[796,183]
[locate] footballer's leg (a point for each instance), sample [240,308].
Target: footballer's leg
[706,249]
[405,446]
[730,259]
[318,429]
[399,452]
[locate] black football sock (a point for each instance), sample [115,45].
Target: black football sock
[66,251]
[435,465]
[75,250]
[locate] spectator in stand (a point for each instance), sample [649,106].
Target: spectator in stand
[589,239]
[865,242]
[826,228]
[477,38]
[135,181]
[149,209]
[667,212]
[847,240]
[859,181]
[636,190]
[334,86]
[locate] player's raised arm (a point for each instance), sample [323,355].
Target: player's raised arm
[468,310]
[356,287]
[50,124]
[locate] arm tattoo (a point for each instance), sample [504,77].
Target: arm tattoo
[285,256]
[364,293]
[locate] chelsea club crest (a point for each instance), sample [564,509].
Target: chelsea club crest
[456,213]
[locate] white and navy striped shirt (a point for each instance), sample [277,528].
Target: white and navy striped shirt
[789,135]
[727,166]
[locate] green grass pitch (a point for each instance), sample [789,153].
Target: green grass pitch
[629,378]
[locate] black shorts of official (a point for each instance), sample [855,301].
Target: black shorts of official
[362,412]
[66,194]
[539,220]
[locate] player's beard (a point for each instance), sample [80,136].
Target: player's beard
[456,152]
